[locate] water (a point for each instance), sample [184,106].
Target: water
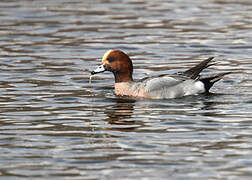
[55,125]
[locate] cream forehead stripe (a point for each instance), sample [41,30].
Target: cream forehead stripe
[106,55]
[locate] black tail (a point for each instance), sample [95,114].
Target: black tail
[194,72]
[210,80]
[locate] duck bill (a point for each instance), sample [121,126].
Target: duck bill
[99,69]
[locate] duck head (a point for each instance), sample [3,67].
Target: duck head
[118,63]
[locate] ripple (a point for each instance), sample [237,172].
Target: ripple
[56,125]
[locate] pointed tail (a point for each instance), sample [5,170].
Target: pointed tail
[210,80]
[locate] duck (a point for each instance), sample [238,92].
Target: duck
[164,86]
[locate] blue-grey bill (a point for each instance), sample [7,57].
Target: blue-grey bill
[99,69]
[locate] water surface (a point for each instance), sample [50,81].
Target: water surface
[55,125]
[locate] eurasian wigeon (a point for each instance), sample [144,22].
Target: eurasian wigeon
[159,87]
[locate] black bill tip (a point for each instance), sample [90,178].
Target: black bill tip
[93,72]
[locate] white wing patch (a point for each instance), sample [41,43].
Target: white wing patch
[195,87]
[200,86]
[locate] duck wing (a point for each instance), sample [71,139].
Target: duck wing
[160,82]
[193,73]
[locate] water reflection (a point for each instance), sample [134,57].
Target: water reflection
[55,125]
[121,111]
[124,111]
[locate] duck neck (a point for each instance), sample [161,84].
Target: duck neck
[123,77]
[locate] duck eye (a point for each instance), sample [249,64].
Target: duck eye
[111,59]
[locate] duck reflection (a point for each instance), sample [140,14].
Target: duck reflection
[121,111]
